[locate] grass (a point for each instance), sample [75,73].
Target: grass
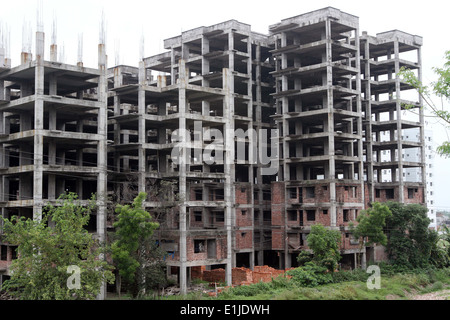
[346,286]
[396,286]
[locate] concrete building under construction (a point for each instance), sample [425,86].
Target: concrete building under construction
[241,140]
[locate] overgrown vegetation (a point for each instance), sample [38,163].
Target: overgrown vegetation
[370,225]
[346,285]
[324,243]
[134,252]
[419,261]
[419,257]
[48,249]
[411,244]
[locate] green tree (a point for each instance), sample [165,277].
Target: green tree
[439,88]
[131,251]
[47,248]
[410,241]
[325,246]
[440,253]
[370,227]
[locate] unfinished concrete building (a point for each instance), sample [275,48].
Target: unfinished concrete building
[53,125]
[318,114]
[339,107]
[177,122]
[186,126]
[385,102]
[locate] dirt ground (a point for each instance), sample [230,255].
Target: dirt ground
[438,295]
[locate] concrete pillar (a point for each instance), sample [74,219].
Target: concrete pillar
[102,153]
[53,88]
[54,53]
[38,176]
[364,259]
[369,138]
[260,254]
[141,127]
[118,81]
[359,110]
[401,195]
[229,168]
[330,123]
[182,106]
[205,71]
[172,66]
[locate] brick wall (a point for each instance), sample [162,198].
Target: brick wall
[244,217]
[382,195]
[278,193]
[345,241]
[417,193]
[349,193]
[244,239]
[243,194]
[319,218]
[277,239]
[192,255]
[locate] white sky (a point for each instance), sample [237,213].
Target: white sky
[127,21]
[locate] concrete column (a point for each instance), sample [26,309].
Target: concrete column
[51,189]
[330,124]
[53,89]
[369,138]
[364,259]
[172,66]
[229,168]
[205,71]
[141,128]
[182,106]
[401,195]
[38,175]
[54,53]
[359,120]
[231,52]
[118,81]
[102,153]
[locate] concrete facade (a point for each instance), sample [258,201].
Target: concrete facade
[241,140]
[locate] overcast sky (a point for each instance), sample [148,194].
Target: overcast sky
[127,21]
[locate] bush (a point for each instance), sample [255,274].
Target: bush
[250,290]
[310,275]
[281,283]
[353,275]
[437,286]
[346,293]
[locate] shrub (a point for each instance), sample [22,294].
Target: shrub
[353,275]
[437,286]
[346,293]
[310,275]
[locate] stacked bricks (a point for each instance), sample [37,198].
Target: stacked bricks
[197,272]
[240,276]
[265,274]
[214,276]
